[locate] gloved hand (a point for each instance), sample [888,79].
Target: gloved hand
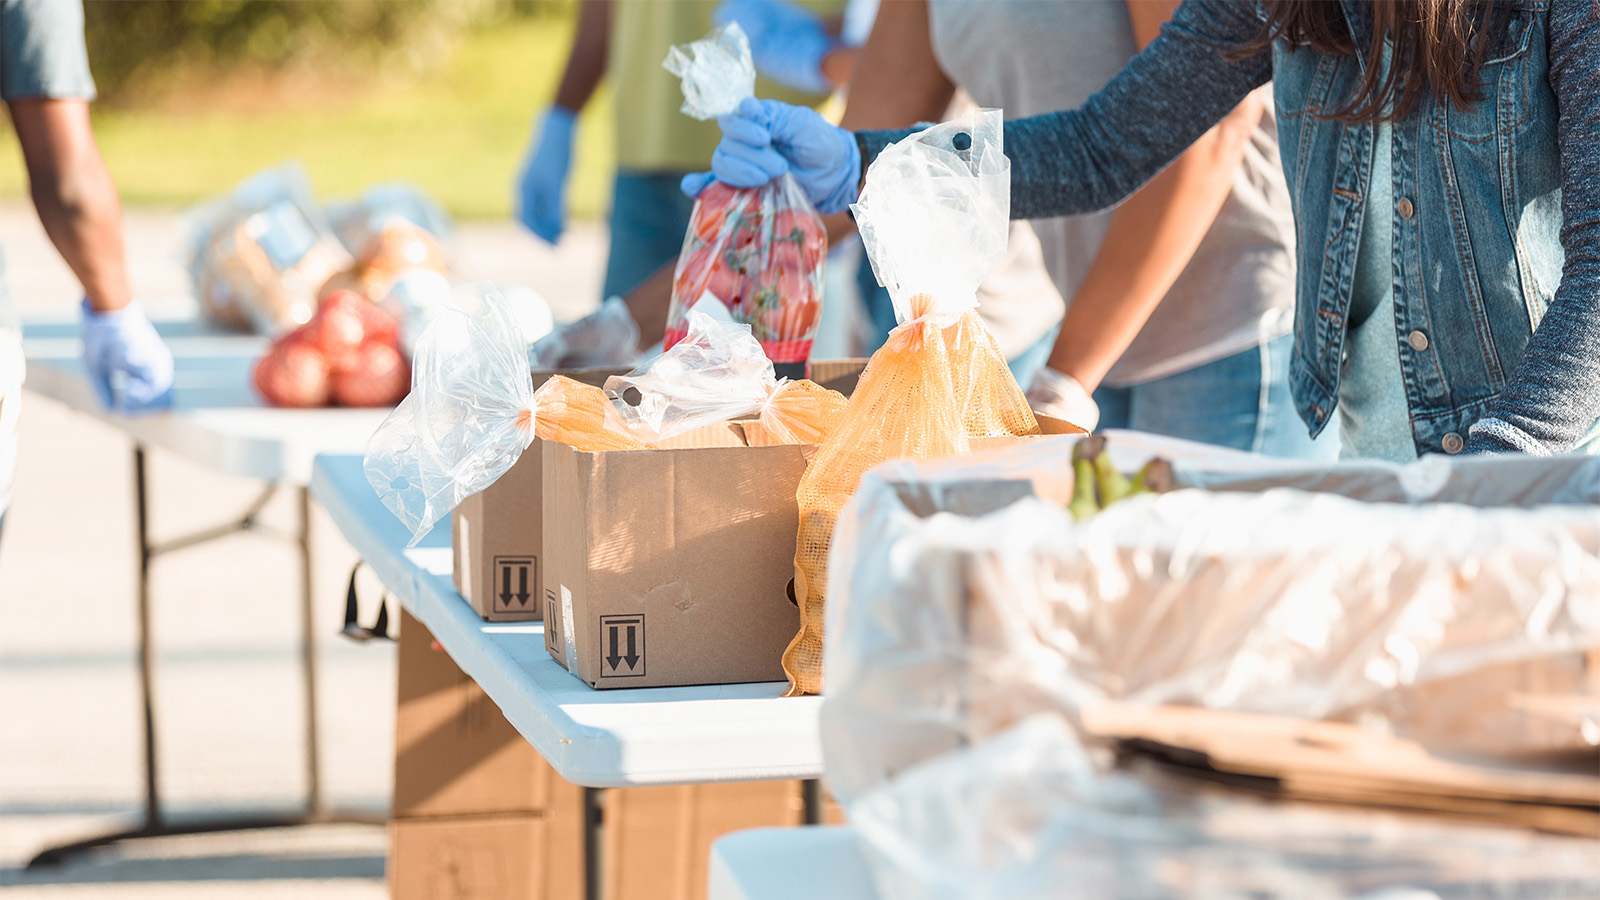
[766,138]
[1060,396]
[606,337]
[124,343]
[541,201]
[787,41]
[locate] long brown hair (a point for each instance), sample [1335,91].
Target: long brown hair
[1437,47]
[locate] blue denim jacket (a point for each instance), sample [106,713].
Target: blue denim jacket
[1496,220]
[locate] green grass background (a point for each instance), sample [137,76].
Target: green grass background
[458,131]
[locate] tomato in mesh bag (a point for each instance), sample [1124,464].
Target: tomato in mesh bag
[755,253]
[375,375]
[294,373]
[934,219]
[758,254]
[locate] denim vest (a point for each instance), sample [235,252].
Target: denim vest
[1477,220]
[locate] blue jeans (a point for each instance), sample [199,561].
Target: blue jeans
[1240,401]
[649,217]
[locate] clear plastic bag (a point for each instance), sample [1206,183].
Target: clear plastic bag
[934,218]
[957,609]
[467,419]
[357,222]
[718,372]
[580,416]
[258,257]
[753,257]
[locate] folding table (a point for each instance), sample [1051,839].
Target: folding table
[218,422]
[596,739]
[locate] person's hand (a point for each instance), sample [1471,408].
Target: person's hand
[766,138]
[541,201]
[787,41]
[129,365]
[606,337]
[1060,396]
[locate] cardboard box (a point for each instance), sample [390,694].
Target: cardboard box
[671,566]
[496,534]
[675,566]
[1343,763]
[497,542]
[484,858]
[658,840]
[455,753]
[479,815]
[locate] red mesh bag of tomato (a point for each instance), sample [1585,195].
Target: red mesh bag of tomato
[348,354]
[752,256]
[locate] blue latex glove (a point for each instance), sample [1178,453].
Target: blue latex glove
[787,41]
[541,200]
[766,138]
[129,365]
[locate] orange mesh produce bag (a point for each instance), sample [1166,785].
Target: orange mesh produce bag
[802,412]
[934,217]
[580,416]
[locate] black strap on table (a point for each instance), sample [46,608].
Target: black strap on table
[353,629]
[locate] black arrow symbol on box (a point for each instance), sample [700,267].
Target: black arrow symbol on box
[632,656]
[613,659]
[505,585]
[522,585]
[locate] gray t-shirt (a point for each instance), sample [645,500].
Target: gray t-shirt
[42,52]
[1036,56]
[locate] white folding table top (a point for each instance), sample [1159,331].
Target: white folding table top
[216,420]
[790,864]
[612,738]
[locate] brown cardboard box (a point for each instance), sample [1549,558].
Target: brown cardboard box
[495,534]
[479,815]
[485,858]
[675,566]
[671,566]
[658,840]
[700,536]
[455,753]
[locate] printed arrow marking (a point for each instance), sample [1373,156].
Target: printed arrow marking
[633,655]
[522,585]
[505,585]
[613,659]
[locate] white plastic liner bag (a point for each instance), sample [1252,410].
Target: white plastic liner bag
[945,629]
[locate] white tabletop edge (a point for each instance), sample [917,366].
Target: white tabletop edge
[217,421]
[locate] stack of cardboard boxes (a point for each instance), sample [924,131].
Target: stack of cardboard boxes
[479,815]
[565,536]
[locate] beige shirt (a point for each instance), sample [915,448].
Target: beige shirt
[1030,57]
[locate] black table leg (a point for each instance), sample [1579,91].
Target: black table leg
[155,822]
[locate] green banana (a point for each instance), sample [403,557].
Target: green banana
[1083,503]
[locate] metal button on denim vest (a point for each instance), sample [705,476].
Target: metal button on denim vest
[1477,221]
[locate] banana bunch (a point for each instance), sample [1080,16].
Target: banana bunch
[1097,484]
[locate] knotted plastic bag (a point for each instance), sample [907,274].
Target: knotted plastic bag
[580,416]
[718,372]
[757,254]
[934,217]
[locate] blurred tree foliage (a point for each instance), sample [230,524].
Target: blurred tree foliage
[143,47]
